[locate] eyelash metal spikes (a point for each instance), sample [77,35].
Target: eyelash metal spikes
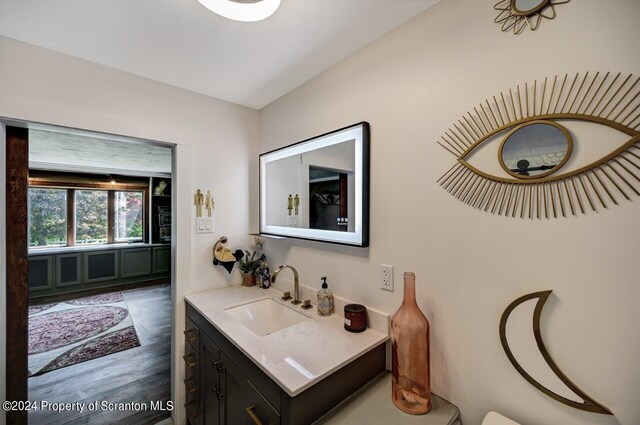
[609,99]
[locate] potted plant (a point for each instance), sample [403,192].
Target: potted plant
[249,267]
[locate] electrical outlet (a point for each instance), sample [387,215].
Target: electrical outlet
[386,277]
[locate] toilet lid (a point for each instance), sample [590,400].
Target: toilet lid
[494,418]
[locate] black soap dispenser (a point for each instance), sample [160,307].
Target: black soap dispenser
[325,299]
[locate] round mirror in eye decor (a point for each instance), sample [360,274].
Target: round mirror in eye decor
[535,149]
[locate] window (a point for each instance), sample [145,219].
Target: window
[92,217]
[128,216]
[68,210]
[47,217]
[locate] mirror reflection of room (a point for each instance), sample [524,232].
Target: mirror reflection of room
[329,199]
[535,150]
[314,189]
[318,189]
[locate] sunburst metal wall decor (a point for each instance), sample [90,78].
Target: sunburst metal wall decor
[516,15]
[602,99]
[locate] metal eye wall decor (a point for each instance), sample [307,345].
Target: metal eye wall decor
[516,15]
[532,125]
[588,404]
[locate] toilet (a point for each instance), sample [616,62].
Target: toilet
[494,418]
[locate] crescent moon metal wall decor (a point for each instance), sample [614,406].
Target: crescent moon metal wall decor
[589,404]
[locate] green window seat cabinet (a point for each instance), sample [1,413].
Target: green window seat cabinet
[225,387]
[59,270]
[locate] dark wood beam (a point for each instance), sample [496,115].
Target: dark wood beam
[145,220]
[71,217]
[111,218]
[17,146]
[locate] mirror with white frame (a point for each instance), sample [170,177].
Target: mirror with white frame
[318,189]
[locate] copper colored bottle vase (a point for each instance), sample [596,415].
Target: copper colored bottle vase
[411,387]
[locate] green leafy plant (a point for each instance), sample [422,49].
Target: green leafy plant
[249,264]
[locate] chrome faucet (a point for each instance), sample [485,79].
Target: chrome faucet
[296,282]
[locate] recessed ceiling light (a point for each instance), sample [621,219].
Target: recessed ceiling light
[242,10]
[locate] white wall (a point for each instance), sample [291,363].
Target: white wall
[290,176]
[217,149]
[284,179]
[411,85]
[3,271]
[337,157]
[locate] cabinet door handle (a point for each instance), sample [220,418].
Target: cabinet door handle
[252,415]
[187,360]
[187,334]
[217,392]
[192,410]
[217,365]
[190,388]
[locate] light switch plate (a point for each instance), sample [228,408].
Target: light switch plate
[204,225]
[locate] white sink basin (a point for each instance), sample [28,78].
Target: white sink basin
[265,316]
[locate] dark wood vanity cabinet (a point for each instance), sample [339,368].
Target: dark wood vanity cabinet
[211,370]
[241,402]
[232,390]
[217,391]
[192,367]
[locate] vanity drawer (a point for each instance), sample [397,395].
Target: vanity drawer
[192,381]
[258,409]
[191,334]
[192,385]
[192,405]
[191,360]
[192,408]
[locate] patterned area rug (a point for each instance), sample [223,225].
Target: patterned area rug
[75,331]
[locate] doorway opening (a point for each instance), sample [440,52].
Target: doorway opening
[99,276]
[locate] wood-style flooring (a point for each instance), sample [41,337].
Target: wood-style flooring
[138,375]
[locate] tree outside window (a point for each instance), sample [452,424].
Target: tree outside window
[47,217]
[128,220]
[92,217]
[78,216]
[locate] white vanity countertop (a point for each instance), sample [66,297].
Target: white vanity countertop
[295,357]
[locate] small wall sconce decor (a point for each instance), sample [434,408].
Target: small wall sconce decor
[532,127]
[588,404]
[516,15]
[209,205]
[223,256]
[198,201]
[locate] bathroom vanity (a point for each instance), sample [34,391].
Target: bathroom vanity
[245,363]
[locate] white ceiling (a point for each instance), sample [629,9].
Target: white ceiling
[181,43]
[52,150]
